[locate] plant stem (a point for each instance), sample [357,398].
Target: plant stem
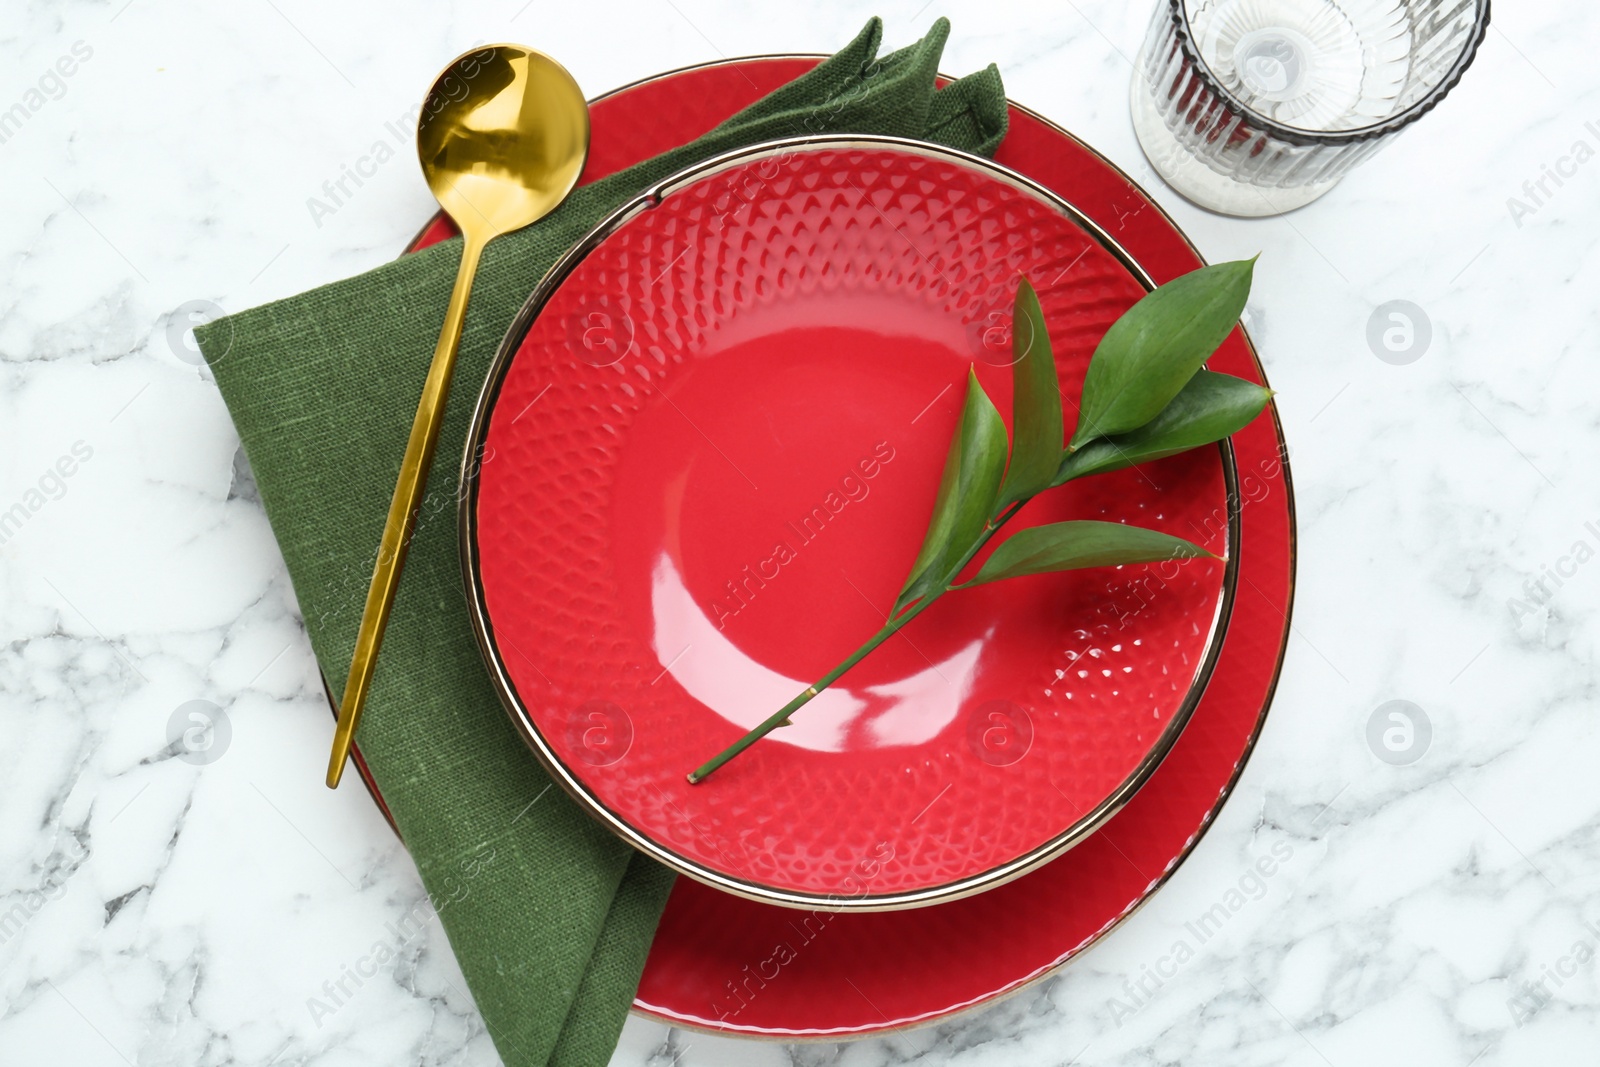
[890,628]
[781,716]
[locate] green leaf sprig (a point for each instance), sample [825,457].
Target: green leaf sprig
[1145,396]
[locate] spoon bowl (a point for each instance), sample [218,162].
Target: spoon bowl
[502,138]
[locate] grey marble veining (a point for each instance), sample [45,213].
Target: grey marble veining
[155,910]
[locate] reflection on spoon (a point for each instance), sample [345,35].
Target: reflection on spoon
[717,673]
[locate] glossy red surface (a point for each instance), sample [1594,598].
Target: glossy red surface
[744,398]
[728,964]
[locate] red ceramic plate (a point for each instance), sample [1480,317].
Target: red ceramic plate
[735,966]
[709,449]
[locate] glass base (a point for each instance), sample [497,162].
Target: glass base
[1197,181]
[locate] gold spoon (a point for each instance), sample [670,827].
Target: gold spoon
[503,136]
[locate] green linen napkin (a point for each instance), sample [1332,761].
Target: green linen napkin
[549,914]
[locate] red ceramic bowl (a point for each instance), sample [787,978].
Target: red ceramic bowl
[714,962]
[703,464]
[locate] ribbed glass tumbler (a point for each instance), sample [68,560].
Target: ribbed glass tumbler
[1256,107]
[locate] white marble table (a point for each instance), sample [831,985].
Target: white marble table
[1441,912]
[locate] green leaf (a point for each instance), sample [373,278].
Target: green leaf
[1152,351]
[1036,433]
[972,471]
[1066,546]
[1211,407]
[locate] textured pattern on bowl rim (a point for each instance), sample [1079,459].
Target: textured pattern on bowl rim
[716,855]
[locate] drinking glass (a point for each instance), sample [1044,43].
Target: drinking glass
[1256,107]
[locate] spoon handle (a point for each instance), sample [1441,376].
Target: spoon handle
[403,508]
